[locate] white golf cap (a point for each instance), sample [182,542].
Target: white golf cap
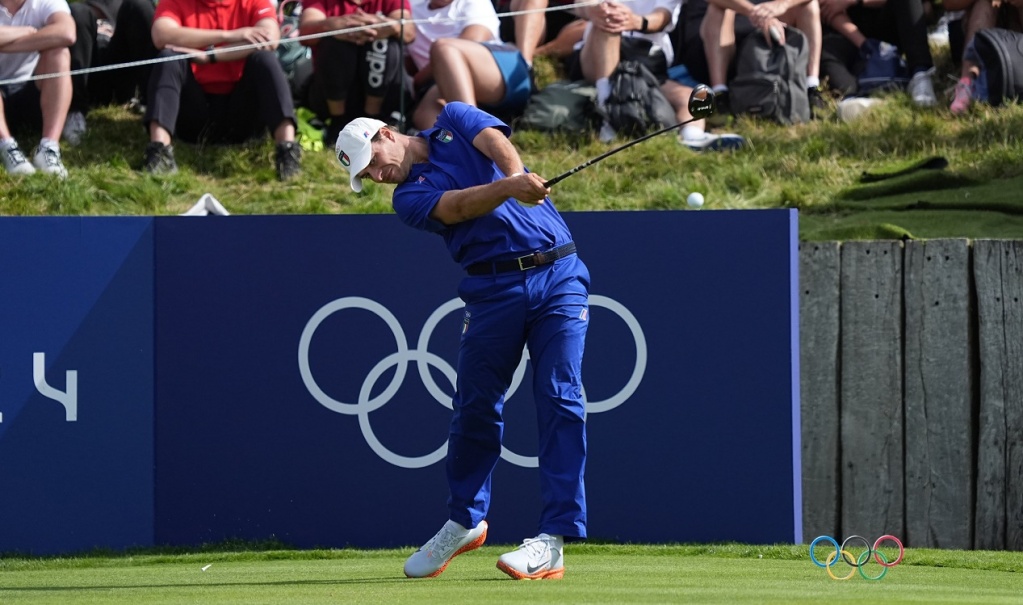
[353,147]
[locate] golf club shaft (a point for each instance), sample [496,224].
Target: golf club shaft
[565,175]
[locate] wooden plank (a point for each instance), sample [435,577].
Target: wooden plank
[998,276]
[818,384]
[871,389]
[939,395]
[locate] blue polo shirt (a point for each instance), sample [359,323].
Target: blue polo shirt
[509,231]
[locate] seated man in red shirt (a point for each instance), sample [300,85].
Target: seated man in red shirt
[231,88]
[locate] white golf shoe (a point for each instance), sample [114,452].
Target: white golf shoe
[539,558]
[451,541]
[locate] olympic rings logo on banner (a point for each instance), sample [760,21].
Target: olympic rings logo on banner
[424,360]
[858,562]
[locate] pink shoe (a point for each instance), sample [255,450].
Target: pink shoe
[963,97]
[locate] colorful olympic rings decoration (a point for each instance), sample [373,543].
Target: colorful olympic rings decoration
[858,562]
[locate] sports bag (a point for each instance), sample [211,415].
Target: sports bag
[770,79]
[883,68]
[1001,54]
[561,106]
[636,105]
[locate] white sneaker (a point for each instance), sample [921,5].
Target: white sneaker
[74,128]
[714,142]
[451,541]
[852,108]
[47,159]
[921,89]
[539,558]
[607,133]
[15,162]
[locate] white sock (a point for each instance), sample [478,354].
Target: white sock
[692,133]
[49,144]
[719,88]
[603,90]
[813,81]
[7,143]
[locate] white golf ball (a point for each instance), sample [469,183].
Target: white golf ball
[695,199]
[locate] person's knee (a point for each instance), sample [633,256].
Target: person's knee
[263,60]
[53,60]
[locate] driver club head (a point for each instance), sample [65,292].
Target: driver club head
[701,102]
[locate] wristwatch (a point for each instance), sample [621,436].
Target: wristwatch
[644,26]
[213,55]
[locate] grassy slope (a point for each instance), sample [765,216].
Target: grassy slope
[812,167]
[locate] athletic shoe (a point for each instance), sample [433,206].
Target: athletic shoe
[47,159]
[159,159]
[963,97]
[74,128]
[714,142]
[852,108]
[607,133]
[287,160]
[451,541]
[15,161]
[921,89]
[539,558]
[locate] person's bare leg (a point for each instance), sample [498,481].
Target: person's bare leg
[285,131]
[466,71]
[5,131]
[54,93]
[807,19]
[529,27]
[717,30]
[600,54]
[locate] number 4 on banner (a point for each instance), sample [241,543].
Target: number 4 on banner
[68,399]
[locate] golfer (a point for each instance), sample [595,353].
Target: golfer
[524,286]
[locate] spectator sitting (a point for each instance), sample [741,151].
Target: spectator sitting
[366,63]
[632,31]
[458,56]
[856,26]
[980,14]
[536,26]
[233,87]
[34,40]
[722,28]
[677,89]
[109,32]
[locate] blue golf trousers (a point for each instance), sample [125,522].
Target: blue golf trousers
[546,310]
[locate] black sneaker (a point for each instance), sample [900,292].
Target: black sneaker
[159,159]
[289,156]
[817,103]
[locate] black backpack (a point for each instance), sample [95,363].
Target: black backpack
[636,105]
[1001,52]
[770,79]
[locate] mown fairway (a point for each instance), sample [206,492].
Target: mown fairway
[595,574]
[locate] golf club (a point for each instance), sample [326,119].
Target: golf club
[701,105]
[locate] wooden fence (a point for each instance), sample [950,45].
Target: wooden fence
[911,361]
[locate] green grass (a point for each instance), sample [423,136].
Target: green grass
[596,573]
[814,167]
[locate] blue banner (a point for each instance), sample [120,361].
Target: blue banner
[293,377]
[76,384]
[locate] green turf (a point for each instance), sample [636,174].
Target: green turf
[595,574]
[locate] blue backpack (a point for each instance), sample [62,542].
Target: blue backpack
[883,68]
